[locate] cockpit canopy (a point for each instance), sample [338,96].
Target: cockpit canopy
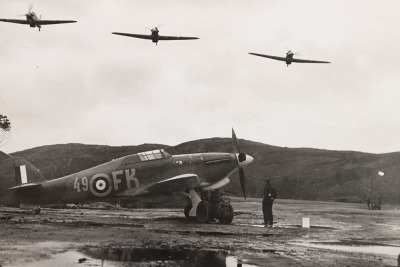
[153,155]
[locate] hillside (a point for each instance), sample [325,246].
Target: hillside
[297,173]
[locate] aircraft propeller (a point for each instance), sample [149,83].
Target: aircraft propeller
[241,158]
[29,11]
[158,27]
[293,52]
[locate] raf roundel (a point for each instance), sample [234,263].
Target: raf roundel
[100,185]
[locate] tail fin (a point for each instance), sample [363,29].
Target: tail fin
[25,172]
[15,172]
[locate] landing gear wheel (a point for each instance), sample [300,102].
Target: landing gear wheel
[203,211]
[187,210]
[226,214]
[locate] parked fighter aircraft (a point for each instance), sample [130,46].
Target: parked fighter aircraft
[289,58]
[33,20]
[155,37]
[146,174]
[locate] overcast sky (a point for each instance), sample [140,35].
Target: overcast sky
[78,83]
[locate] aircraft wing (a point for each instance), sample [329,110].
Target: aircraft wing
[167,38]
[271,57]
[141,36]
[174,184]
[307,61]
[48,22]
[19,21]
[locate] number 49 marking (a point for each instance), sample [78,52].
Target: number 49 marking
[85,184]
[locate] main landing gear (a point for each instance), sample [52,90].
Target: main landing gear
[209,206]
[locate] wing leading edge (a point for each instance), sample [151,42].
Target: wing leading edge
[267,56]
[141,36]
[290,60]
[37,22]
[168,38]
[307,61]
[150,37]
[49,22]
[174,184]
[19,21]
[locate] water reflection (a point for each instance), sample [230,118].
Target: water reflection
[370,249]
[161,257]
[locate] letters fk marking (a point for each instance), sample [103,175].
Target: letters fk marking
[101,184]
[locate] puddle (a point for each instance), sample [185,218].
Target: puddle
[141,257]
[291,226]
[358,248]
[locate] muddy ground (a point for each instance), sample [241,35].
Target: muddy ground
[371,237]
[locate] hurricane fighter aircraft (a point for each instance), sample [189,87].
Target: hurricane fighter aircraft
[33,20]
[148,174]
[289,58]
[154,36]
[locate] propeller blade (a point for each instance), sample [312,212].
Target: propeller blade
[241,158]
[236,148]
[296,53]
[242,182]
[30,7]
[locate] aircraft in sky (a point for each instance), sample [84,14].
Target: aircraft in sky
[154,36]
[151,174]
[289,58]
[33,20]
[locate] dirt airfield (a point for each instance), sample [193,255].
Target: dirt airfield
[343,234]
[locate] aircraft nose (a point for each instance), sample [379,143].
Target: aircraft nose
[247,161]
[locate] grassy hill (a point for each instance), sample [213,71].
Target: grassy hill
[296,173]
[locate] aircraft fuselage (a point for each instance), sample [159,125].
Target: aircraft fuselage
[130,174]
[154,35]
[31,17]
[289,58]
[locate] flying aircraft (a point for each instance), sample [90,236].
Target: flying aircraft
[148,174]
[33,20]
[154,36]
[289,58]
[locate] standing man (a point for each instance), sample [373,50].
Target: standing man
[268,201]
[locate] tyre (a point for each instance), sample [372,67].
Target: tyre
[187,210]
[203,211]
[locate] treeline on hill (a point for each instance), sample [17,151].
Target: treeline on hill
[296,173]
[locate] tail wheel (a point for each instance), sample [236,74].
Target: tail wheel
[187,210]
[226,215]
[203,211]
